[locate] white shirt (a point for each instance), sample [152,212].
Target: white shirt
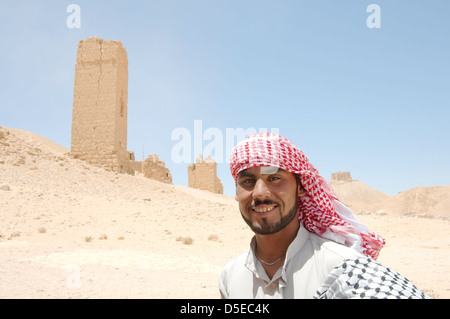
[309,259]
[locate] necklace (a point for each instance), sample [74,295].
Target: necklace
[266,263]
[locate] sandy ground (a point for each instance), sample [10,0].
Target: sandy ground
[72,230]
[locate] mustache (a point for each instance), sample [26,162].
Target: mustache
[263,202]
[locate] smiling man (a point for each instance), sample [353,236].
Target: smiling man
[307,244]
[263,214]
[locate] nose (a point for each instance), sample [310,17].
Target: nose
[261,190]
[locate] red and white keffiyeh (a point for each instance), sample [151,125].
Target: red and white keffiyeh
[320,211]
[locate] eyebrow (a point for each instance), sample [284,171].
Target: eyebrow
[245,174]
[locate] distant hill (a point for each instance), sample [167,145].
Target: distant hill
[360,197]
[434,201]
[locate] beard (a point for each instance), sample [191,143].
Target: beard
[266,228]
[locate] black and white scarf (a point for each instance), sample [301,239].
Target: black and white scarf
[364,278]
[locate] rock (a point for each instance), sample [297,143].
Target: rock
[5,188]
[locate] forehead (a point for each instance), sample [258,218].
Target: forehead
[262,170]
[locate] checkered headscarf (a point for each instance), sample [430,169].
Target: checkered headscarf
[319,210]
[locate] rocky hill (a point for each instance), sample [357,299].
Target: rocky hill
[433,202]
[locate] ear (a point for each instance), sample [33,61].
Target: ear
[300,190]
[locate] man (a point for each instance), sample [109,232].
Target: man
[307,244]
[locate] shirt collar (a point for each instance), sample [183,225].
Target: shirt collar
[296,245]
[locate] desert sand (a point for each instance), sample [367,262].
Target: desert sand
[72,230]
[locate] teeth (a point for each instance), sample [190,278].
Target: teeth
[264,210]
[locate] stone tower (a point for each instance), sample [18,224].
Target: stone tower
[99,117]
[341,177]
[203,175]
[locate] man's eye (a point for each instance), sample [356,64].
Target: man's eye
[247,181]
[274,178]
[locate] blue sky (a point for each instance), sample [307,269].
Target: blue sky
[372,101]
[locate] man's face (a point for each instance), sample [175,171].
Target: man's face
[267,198]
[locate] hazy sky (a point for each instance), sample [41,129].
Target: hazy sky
[372,101]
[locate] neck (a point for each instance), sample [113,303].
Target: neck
[273,246]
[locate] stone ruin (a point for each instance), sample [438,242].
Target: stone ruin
[203,175]
[154,168]
[99,115]
[99,118]
[341,177]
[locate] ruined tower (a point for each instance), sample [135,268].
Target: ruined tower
[154,168]
[99,116]
[341,177]
[203,175]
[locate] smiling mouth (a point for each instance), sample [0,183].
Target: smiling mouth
[264,209]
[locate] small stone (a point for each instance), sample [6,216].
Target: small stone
[381,213]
